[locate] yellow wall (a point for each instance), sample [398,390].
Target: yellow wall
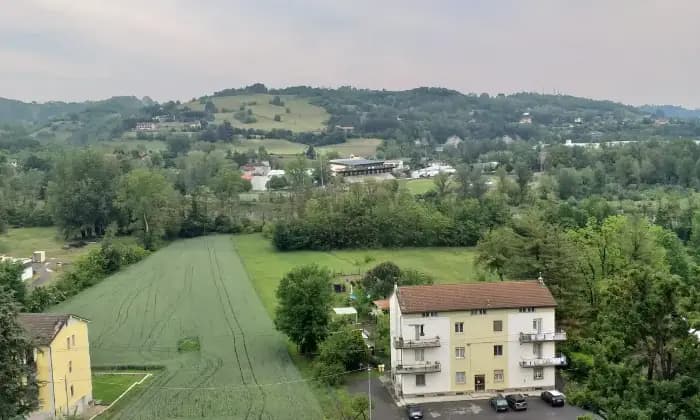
[62,355]
[478,340]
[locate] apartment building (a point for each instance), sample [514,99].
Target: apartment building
[474,338]
[62,362]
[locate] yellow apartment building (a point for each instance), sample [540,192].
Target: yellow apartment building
[62,359]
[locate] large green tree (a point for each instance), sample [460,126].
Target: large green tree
[82,192]
[18,386]
[150,202]
[303,312]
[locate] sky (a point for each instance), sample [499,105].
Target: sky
[633,51]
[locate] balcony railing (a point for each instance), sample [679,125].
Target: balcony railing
[544,361]
[537,337]
[401,343]
[427,367]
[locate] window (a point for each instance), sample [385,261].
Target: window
[498,350]
[478,311]
[422,331]
[71,391]
[72,340]
[429,314]
[537,324]
[418,355]
[68,343]
[498,325]
[539,373]
[527,309]
[70,366]
[460,377]
[537,349]
[498,375]
[459,352]
[459,327]
[420,380]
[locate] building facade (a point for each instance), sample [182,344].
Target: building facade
[477,338]
[62,361]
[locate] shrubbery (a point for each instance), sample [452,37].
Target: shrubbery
[85,272]
[373,216]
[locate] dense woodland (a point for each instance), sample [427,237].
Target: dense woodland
[614,230]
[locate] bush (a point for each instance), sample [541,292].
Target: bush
[329,373]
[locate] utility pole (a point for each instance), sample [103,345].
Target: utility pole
[369,390]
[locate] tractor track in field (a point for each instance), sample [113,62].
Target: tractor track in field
[240,328]
[228,322]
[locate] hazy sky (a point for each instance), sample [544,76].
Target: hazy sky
[635,51]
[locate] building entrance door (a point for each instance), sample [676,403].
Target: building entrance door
[479,383]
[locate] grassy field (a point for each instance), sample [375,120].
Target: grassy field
[273,146]
[108,387]
[195,289]
[419,186]
[266,266]
[357,147]
[22,242]
[303,116]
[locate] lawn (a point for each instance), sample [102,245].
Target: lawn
[194,290]
[266,266]
[303,116]
[107,387]
[22,242]
[273,146]
[419,186]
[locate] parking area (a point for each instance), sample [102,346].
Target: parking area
[385,409]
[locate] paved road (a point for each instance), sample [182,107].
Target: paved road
[385,409]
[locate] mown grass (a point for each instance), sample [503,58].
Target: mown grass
[419,186]
[107,387]
[193,288]
[303,116]
[22,242]
[266,266]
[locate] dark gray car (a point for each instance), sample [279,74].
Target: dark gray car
[415,412]
[517,401]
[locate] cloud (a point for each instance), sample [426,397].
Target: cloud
[637,51]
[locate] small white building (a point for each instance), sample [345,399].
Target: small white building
[146,126]
[453,141]
[434,169]
[27,270]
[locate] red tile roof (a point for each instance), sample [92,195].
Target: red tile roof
[382,304]
[42,328]
[467,296]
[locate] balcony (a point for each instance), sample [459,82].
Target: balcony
[543,362]
[401,343]
[427,367]
[539,337]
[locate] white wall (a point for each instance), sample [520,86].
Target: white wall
[28,273]
[432,327]
[522,322]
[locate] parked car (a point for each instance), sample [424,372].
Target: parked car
[517,401]
[499,403]
[415,412]
[553,398]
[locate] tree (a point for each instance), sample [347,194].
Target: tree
[278,118]
[303,311]
[523,176]
[19,392]
[380,280]
[82,192]
[150,202]
[345,346]
[178,145]
[277,183]
[310,152]
[210,108]
[225,131]
[496,249]
[11,279]
[442,184]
